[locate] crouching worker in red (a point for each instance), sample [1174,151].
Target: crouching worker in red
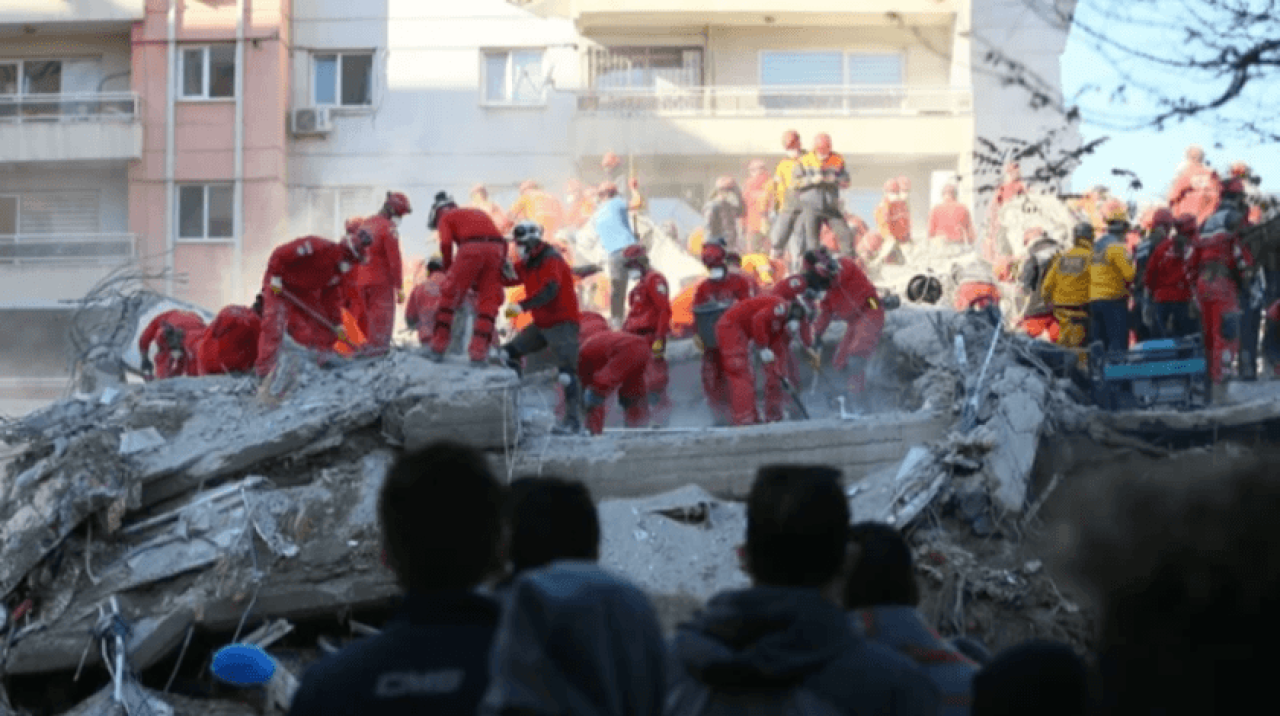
[303,290]
[230,345]
[711,299]
[649,316]
[854,300]
[175,334]
[420,311]
[477,266]
[548,285]
[612,361]
[381,278]
[769,322]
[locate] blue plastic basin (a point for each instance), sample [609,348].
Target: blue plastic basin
[243,665]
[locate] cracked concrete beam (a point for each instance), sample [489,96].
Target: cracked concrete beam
[151,638]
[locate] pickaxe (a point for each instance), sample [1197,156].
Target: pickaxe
[315,315]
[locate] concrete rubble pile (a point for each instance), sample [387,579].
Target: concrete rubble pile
[216,506]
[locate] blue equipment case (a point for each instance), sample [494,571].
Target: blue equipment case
[1166,373]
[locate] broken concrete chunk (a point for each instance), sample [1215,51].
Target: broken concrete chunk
[264,507]
[137,441]
[137,700]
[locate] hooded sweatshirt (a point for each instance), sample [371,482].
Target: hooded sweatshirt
[576,640]
[787,650]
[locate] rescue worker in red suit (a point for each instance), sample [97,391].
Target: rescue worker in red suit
[722,288]
[649,316]
[313,272]
[352,301]
[550,296]
[172,332]
[612,361]
[1218,266]
[230,344]
[1197,188]
[1010,188]
[424,299]
[381,278]
[481,254]
[853,299]
[769,322]
[1167,283]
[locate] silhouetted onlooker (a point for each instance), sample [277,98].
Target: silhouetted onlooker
[882,594]
[440,511]
[1038,677]
[784,645]
[551,518]
[577,641]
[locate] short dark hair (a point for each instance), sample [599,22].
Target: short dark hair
[797,525]
[883,573]
[440,510]
[1040,677]
[551,518]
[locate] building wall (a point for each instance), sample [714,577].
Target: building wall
[204,136]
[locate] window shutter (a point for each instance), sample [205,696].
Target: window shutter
[59,213]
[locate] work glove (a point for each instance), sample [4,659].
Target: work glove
[697,343]
[341,333]
[509,271]
[815,358]
[511,311]
[659,348]
[766,356]
[400,296]
[277,285]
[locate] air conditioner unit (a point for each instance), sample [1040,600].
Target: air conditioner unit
[311,120]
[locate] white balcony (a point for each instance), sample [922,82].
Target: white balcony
[593,14]
[70,127]
[901,120]
[66,249]
[39,12]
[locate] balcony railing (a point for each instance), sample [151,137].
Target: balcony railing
[94,107]
[65,248]
[896,100]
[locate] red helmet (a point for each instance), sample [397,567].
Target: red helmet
[634,255]
[353,224]
[713,255]
[790,139]
[1162,218]
[725,183]
[610,161]
[1186,224]
[1234,185]
[397,204]
[822,143]
[435,264]
[891,186]
[591,323]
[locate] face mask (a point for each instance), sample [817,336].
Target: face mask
[717,273]
[176,355]
[634,275]
[793,325]
[524,253]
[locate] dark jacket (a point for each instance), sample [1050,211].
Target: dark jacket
[1039,257]
[577,641]
[902,629]
[779,650]
[431,658]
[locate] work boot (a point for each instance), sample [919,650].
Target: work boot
[433,356]
[510,360]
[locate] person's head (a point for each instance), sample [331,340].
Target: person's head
[551,518]
[1116,214]
[904,185]
[714,257]
[395,205]
[891,187]
[883,573]
[1037,677]
[356,245]
[441,205]
[1240,170]
[440,512]
[726,183]
[435,265]
[173,338]
[352,225]
[607,190]
[733,260]
[1195,154]
[1082,234]
[610,162]
[635,258]
[527,236]
[819,269]
[822,145]
[1012,171]
[756,167]
[797,526]
[949,192]
[479,193]
[1161,223]
[1186,226]
[791,141]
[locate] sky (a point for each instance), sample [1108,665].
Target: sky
[1153,155]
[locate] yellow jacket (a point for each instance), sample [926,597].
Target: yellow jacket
[783,184]
[1067,283]
[1110,270]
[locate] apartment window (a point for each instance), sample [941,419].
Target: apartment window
[830,80]
[513,77]
[329,207]
[208,72]
[23,80]
[205,212]
[343,79]
[645,67]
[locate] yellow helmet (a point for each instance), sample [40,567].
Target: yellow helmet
[1115,212]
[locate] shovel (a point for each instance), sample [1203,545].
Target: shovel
[315,315]
[795,397]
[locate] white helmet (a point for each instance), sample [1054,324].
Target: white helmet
[527,232]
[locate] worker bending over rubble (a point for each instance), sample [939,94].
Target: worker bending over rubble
[649,317]
[768,322]
[380,279]
[713,297]
[548,287]
[609,362]
[230,344]
[481,253]
[853,299]
[424,299]
[303,290]
[175,335]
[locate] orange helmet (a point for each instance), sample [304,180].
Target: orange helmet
[904,184]
[891,186]
[790,139]
[610,161]
[397,203]
[822,143]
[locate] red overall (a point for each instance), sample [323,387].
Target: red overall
[377,281]
[852,299]
[732,288]
[1214,265]
[420,311]
[166,365]
[611,361]
[478,267]
[316,273]
[230,345]
[649,316]
[763,321]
